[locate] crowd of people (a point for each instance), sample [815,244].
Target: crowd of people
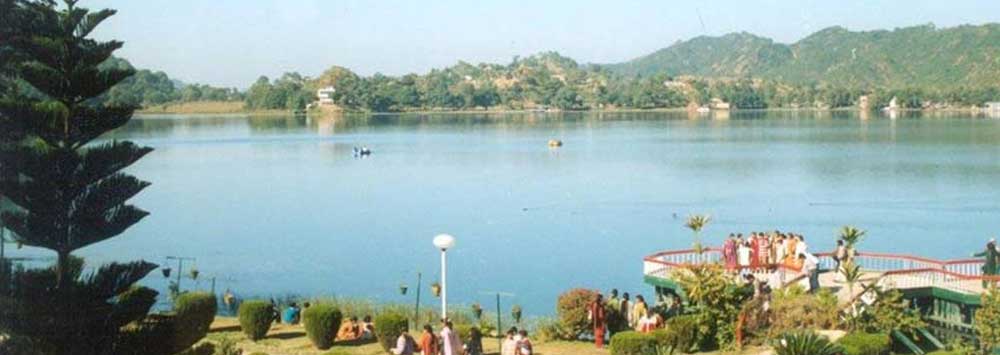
[448,342]
[618,314]
[773,252]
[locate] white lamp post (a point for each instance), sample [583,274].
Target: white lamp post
[443,242]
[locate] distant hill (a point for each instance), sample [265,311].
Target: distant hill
[912,56]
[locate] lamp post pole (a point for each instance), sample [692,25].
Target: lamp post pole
[444,284]
[180,265]
[443,242]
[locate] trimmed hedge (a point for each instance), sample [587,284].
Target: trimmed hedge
[633,343]
[255,319]
[322,321]
[865,344]
[388,327]
[194,313]
[680,334]
[135,303]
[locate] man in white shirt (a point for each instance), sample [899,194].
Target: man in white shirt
[404,344]
[810,266]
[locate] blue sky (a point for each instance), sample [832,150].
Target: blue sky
[232,42]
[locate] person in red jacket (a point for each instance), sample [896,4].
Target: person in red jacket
[598,318]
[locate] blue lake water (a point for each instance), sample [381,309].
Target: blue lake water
[275,206]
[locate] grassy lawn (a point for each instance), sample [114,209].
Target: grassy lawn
[291,340]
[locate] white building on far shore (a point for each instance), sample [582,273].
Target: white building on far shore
[325,95]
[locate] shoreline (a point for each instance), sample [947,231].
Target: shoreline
[320,113]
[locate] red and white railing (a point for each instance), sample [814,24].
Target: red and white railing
[899,270]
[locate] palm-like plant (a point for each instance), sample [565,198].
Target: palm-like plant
[852,274]
[851,236]
[805,343]
[695,223]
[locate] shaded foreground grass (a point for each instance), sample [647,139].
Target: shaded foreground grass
[285,339]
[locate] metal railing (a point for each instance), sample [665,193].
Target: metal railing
[899,270]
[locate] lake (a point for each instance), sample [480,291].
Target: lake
[279,205]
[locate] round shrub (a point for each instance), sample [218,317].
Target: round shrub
[135,303]
[194,313]
[255,319]
[388,327]
[865,344]
[633,343]
[322,322]
[680,334]
[572,308]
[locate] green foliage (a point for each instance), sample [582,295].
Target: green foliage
[805,343]
[679,336]
[193,315]
[794,309]
[865,343]
[255,318]
[388,327]
[322,322]
[633,343]
[715,301]
[890,312]
[291,91]
[136,302]
[550,329]
[987,321]
[572,309]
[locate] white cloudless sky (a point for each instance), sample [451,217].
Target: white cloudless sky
[232,42]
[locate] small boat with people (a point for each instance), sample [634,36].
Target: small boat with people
[362,151]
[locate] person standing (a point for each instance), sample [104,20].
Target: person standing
[524,346]
[475,344]
[765,251]
[810,266]
[509,345]
[744,256]
[626,311]
[729,252]
[989,255]
[639,311]
[614,317]
[598,319]
[450,344]
[428,342]
[839,254]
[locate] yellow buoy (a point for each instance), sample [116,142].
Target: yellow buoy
[555,143]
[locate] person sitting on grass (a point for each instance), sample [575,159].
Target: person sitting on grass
[291,314]
[404,344]
[367,328]
[346,331]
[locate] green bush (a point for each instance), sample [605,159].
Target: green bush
[805,343]
[255,319]
[572,307]
[633,343]
[949,352]
[322,322]
[549,329]
[388,327]
[463,331]
[134,303]
[193,315]
[679,336]
[865,344]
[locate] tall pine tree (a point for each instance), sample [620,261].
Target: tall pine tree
[67,186]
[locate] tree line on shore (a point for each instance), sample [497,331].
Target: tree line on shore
[543,81]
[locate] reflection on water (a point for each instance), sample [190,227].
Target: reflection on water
[278,205]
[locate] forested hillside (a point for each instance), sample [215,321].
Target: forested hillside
[922,56]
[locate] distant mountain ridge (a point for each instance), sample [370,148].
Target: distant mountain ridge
[967,55]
